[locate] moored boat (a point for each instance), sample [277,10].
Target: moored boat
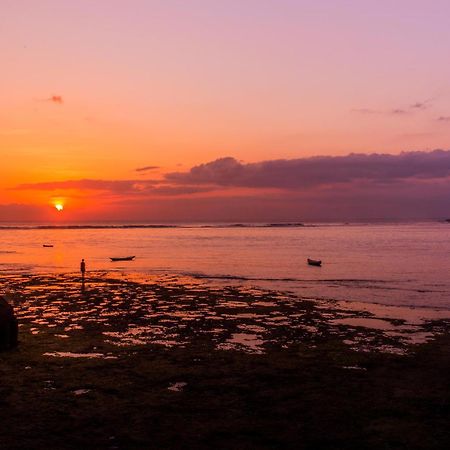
[123,258]
[314,262]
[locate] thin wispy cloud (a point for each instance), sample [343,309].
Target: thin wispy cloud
[422,105]
[124,188]
[56,99]
[397,111]
[115,186]
[443,119]
[367,111]
[146,168]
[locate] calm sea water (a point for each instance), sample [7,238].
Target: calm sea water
[394,264]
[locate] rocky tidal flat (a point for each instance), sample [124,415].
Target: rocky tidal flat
[154,362]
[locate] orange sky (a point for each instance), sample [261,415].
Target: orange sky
[95,91]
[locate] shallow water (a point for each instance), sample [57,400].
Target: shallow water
[391,264]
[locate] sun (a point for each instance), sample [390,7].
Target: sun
[58,203]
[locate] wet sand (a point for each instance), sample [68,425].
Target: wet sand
[168,362]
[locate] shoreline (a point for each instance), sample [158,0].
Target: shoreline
[333,290]
[165,304]
[174,362]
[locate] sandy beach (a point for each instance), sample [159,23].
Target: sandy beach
[134,361]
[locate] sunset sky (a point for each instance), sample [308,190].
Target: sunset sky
[203,110]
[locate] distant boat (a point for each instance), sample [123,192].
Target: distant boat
[314,262]
[123,258]
[47,245]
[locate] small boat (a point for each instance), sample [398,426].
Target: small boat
[314,262]
[123,258]
[47,245]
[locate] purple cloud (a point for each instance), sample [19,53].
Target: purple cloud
[318,171]
[292,174]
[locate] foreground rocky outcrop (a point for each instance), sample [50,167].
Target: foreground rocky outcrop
[8,326]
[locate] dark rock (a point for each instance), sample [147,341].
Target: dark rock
[8,326]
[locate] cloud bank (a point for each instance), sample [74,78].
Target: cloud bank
[317,171]
[355,186]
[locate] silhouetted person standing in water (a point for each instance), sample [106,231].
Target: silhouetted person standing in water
[82,269]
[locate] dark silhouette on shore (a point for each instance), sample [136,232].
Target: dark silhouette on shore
[8,326]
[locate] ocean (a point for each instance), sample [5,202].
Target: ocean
[398,264]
